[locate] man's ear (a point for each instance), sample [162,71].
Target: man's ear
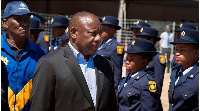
[73,33]
[5,23]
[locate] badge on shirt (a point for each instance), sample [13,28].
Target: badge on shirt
[46,38]
[4,60]
[119,49]
[152,86]
[162,59]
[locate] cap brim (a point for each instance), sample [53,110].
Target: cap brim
[57,25]
[19,13]
[138,52]
[37,29]
[146,35]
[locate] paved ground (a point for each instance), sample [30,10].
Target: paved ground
[164,95]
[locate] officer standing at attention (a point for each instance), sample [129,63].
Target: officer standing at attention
[110,48]
[138,91]
[43,39]
[19,54]
[157,66]
[136,28]
[184,86]
[58,24]
[34,29]
[186,25]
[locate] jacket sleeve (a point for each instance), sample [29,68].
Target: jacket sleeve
[117,61]
[43,90]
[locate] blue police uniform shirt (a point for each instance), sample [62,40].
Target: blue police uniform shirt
[42,43]
[184,91]
[109,51]
[88,70]
[136,95]
[20,72]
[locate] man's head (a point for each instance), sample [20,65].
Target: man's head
[109,26]
[85,31]
[16,20]
[59,25]
[167,28]
[136,28]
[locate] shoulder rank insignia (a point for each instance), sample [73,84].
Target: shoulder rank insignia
[119,49]
[162,59]
[152,86]
[4,60]
[46,38]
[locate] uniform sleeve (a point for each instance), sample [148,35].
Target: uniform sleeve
[159,71]
[117,61]
[148,100]
[42,95]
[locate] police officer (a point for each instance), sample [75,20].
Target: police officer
[110,48]
[58,24]
[184,86]
[43,39]
[136,28]
[34,30]
[138,91]
[19,54]
[187,25]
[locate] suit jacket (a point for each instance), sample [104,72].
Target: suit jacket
[184,96]
[109,51]
[59,84]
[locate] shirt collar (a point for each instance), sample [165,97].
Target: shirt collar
[110,39]
[187,70]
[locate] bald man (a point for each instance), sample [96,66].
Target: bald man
[75,78]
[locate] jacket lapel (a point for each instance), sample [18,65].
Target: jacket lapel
[99,80]
[71,61]
[190,74]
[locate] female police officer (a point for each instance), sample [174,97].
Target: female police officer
[138,91]
[184,86]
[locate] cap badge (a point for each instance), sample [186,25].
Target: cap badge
[141,30]
[181,25]
[137,22]
[133,42]
[67,30]
[52,21]
[23,6]
[183,33]
[103,19]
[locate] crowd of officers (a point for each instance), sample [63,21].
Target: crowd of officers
[140,90]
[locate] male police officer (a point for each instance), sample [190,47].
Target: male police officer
[19,54]
[136,28]
[110,48]
[59,25]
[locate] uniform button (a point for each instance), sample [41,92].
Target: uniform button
[172,90]
[186,96]
[172,105]
[129,93]
[101,55]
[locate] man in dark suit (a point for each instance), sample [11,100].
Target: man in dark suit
[75,78]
